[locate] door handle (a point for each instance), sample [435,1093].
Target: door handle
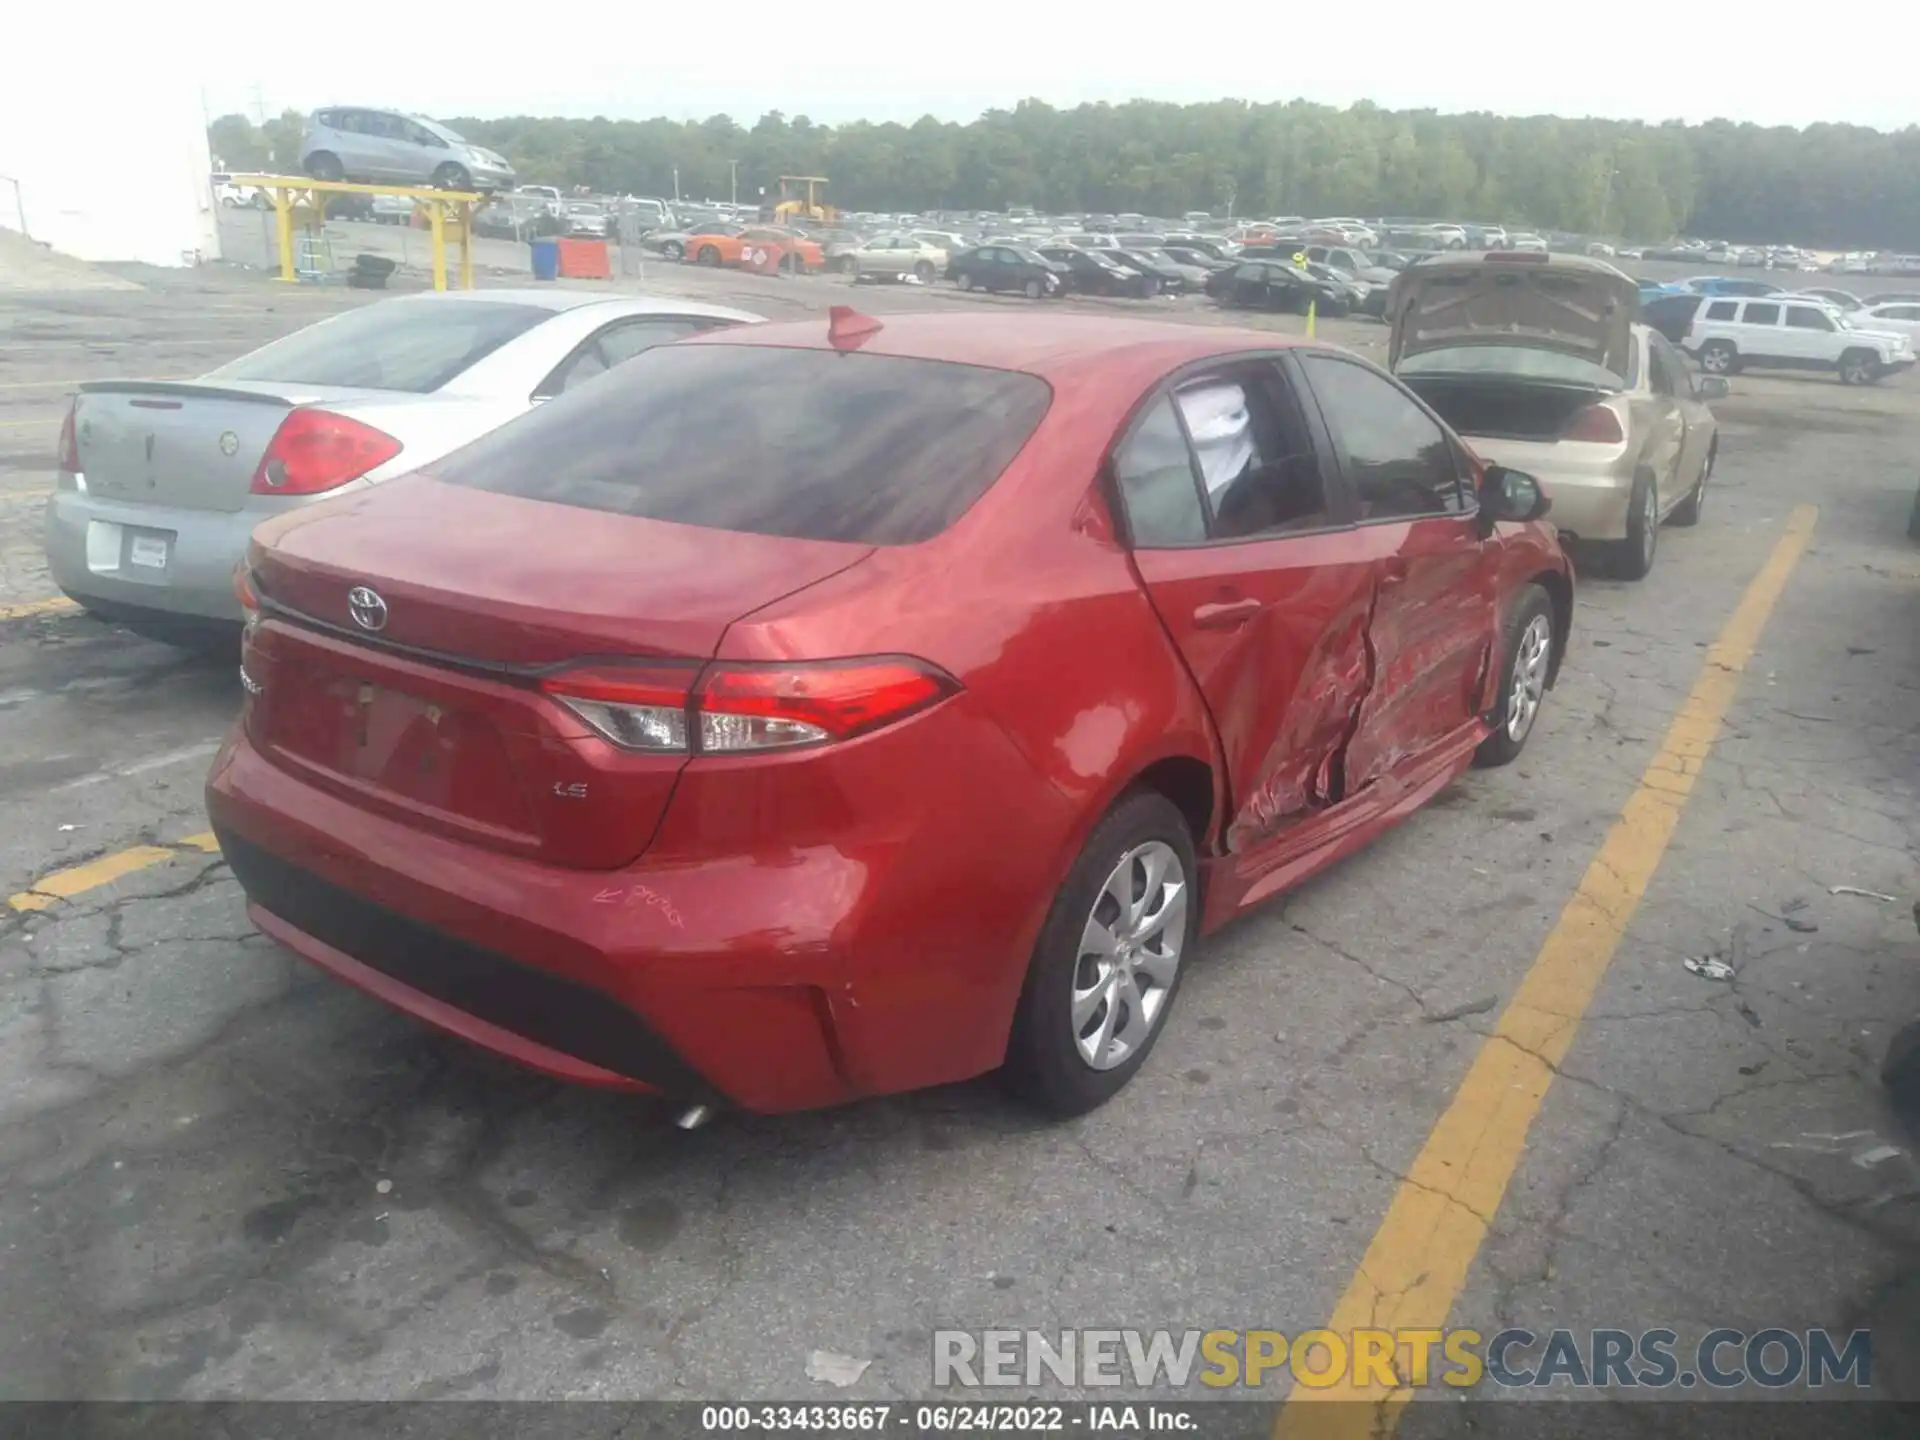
[1225,614]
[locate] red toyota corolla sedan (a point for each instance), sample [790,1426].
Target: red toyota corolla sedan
[818,710]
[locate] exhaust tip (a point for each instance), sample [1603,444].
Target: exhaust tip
[694,1116]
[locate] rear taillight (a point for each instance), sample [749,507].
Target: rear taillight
[244,592]
[735,708]
[1597,425]
[69,461]
[637,707]
[317,450]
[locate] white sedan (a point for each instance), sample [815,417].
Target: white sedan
[1893,319]
[894,257]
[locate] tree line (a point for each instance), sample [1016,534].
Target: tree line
[1831,185]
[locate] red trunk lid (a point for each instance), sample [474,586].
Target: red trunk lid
[434,719]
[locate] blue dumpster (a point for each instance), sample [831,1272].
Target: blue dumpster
[546,259]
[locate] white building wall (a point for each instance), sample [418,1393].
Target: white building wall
[121,174]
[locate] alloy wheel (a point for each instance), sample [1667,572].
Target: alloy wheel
[1130,952]
[1531,659]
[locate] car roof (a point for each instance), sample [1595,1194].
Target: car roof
[1054,347]
[559,301]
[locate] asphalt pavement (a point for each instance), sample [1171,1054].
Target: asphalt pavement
[223,1175]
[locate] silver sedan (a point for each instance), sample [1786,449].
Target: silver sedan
[162,481]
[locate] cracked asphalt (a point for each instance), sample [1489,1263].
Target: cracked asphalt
[224,1176]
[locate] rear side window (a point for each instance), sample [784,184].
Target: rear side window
[808,444]
[1805,317]
[1155,471]
[1723,310]
[1762,315]
[414,346]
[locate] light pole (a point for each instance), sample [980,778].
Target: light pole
[676,184]
[733,182]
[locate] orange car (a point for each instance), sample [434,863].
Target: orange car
[756,249]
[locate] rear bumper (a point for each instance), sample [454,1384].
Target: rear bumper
[1591,492]
[89,545]
[884,953]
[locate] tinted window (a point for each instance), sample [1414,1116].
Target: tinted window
[411,345]
[1660,376]
[1257,466]
[1722,310]
[1805,317]
[1762,315]
[1396,457]
[1665,355]
[812,444]
[1155,471]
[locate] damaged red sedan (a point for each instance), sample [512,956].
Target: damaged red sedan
[819,710]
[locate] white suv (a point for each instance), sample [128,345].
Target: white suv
[1730,332]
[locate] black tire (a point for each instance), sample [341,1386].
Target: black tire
[923,271]
[1044,1066]
[674,250]
[1150,287]
[1859,367]
[846,265]
[1632,558]
[1720,357]
[1687,512]
[1033,289]
[452,177]
[1502,747]
[707,255]
[325,165]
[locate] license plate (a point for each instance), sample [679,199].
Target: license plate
[149,551]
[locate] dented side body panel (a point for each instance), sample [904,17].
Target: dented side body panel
[1434,631]
[1282,683]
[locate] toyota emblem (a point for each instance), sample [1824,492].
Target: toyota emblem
[368,610]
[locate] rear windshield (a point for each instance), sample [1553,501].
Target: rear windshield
[1518,362]
[409,345]
[808,444]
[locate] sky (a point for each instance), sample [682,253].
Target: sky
[631,59]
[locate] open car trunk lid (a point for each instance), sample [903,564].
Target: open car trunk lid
[419,698]
[1569,304]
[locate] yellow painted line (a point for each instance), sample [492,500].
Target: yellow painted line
[51,422]
[52,605]
[1418,1260]
[65,884]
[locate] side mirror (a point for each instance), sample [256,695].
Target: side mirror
[1714,387]
[1511,495]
